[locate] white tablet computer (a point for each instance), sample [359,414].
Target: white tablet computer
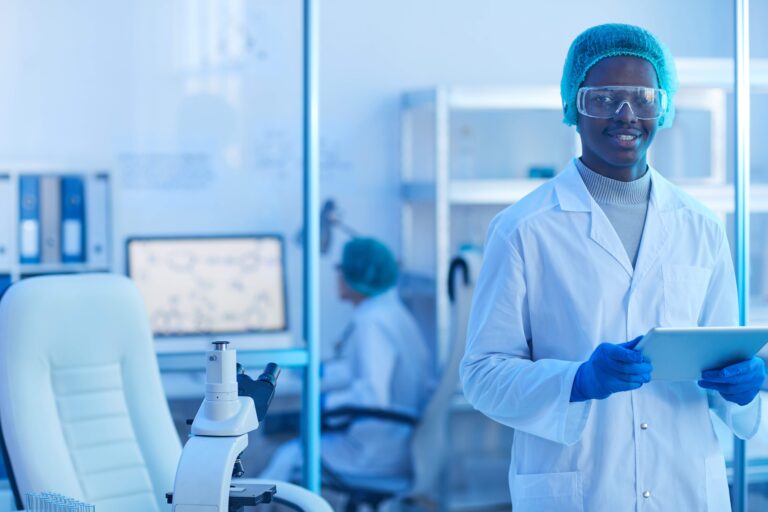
[679,354]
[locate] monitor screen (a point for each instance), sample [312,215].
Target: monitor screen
[210,285]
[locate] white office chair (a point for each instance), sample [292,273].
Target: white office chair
[428,483]
[82,408]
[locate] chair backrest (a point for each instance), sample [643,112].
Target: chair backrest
[430,438]
[82,408]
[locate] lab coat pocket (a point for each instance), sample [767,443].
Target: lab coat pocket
[545,492]
[685,288]
[717,484]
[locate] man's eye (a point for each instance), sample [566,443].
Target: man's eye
[603,100]
[644,99]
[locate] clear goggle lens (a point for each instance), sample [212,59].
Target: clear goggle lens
[606,102]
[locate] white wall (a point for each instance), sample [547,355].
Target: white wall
[88,80]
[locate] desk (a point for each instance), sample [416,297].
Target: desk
[190,385]
[183,373]
[250,359]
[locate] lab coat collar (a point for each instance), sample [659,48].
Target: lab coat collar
[372,302]
[572,193]
[574,196]
[662,206]
[663,196]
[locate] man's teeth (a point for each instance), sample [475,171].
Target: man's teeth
[627,137]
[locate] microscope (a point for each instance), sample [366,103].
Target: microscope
[233,406]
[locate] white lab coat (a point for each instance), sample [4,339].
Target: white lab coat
[555,282]
[384,363]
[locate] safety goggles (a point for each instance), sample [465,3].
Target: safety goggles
[606,102]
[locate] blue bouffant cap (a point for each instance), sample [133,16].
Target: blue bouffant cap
[612,40]
[368,266]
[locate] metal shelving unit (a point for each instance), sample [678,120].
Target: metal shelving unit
[429,189]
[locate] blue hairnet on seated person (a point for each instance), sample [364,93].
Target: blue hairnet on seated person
[368,266]
[612,40]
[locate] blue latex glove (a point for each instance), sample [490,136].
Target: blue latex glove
[738,383]
[611,369]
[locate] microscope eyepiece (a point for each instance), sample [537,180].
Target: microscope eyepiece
[271,373]
[260,390]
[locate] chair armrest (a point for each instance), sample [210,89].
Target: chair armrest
[341,418]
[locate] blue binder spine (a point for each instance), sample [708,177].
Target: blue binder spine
[29,219]
[72,219]
[5,282]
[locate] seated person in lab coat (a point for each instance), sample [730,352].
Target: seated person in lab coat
[590,260]
[381,361]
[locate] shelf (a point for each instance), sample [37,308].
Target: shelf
[693,72]
[500,98]
[414,283]
[59,268]
[486,98]
[491,192]
[698,72]
[87,219]
[469,192]
[420,98]
[718,198]
[418,191]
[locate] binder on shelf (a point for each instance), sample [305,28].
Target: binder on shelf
[6,221]
[5,282]
[72,219]
[29,219]
[97,220]
[50,219]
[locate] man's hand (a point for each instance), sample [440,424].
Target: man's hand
[738,383]
[611,369]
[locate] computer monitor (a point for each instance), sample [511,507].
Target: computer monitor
[212,284]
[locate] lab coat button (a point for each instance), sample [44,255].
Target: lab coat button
[644,426]
[647,494]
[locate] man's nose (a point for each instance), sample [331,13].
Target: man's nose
[625,113]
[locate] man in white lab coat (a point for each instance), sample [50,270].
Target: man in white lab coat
[589,261]
[381,362]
